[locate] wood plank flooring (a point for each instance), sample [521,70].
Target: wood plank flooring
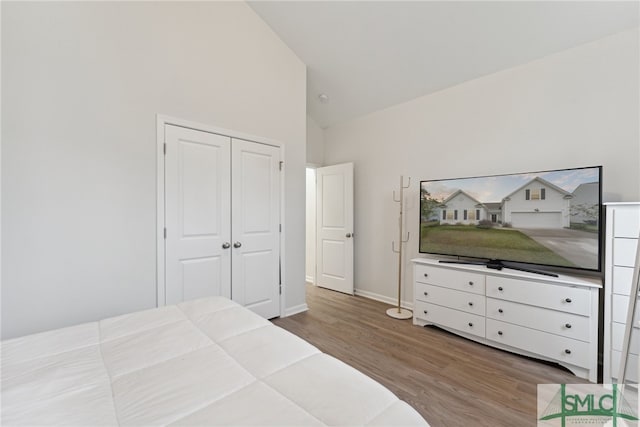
[451,381]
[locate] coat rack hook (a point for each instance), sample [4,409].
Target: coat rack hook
[408,183]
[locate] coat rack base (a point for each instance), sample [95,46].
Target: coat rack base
[399,313]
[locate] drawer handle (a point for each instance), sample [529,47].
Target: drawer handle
[470,324]
[499,332]
[567,299]
[568,326]
[426,275]
[567,351]
[426,294]
[425,312]
[500,288]
[470,304]
[500,310]
[470,283]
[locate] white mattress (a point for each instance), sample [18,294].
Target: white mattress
[203,362]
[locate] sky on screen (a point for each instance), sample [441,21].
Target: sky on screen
[495,188]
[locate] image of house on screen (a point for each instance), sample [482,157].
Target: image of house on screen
[461,208]
[584,204]
[537,204]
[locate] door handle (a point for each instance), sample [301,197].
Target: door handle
[237,245]
[226,245]
[348,235]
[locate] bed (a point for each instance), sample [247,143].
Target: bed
[203,362]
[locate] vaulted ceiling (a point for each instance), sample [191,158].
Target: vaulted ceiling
[369,55]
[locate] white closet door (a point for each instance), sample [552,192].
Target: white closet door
[334,222]
[256,227]
[197,214]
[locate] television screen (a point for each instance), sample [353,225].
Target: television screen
[550,218]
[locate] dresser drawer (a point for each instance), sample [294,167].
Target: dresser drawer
[624,251]
[617,338]
[620,307]
[453,279]
[455,319]
[556,322]
[632,366]
[626,222]
[459,300]
[622,279]
[563,298]
[559,348]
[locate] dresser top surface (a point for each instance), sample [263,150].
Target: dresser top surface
[562,279]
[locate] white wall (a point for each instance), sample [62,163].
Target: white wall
[315,143]
[572,109]
[310,263]
[82,83]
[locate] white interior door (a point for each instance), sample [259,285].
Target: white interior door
[256,227]
[334,219]
[197,214]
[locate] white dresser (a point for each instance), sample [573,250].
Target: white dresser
[621,240]
[550,318]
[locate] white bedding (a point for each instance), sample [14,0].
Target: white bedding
[203,362]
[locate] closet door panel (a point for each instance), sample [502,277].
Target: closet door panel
[255,226]
[197,214]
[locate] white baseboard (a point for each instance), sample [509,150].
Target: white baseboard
[383,298]
[310,279]
[295,310]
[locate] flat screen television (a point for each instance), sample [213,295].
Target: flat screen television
[548,220]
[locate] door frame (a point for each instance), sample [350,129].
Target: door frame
[163,120]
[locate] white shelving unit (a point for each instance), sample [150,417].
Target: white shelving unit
[621,241]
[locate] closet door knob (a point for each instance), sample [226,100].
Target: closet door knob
[568,326]
[470,324]
[567,351]
[348,235]
[500,310]
[499,332]
[567,299]
[237,245]
[226,245]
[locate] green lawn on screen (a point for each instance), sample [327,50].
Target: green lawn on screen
[491,243]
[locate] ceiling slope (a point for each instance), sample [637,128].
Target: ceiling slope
[370,55]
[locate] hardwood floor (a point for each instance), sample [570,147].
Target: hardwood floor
[451,381]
